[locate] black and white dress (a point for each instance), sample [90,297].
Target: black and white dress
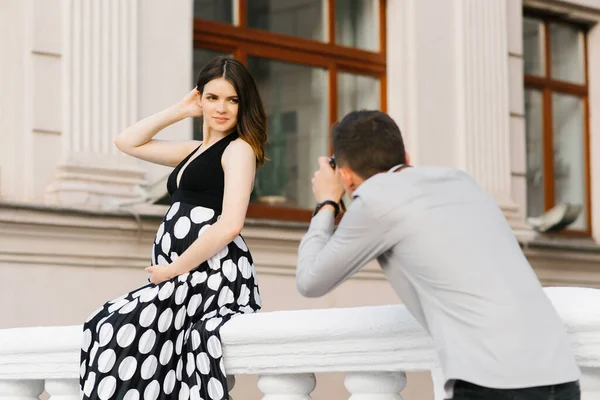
[162,341]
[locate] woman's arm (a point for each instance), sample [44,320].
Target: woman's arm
[137,140]
[239,165]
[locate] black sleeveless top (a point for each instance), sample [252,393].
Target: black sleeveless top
[203,180]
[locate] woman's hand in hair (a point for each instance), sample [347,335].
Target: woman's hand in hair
[190,104]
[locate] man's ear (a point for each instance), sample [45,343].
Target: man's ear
[347,176]
[407,156]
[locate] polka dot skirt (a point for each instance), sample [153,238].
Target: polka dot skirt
[162,341]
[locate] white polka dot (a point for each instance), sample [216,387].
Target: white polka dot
[149,367]
[215,389]
[201,214]
[147,341]
[209,315]
[86,340]
[164,321]
[195,340]
[182,227]
[140,291]
[198,277]
[214,282]
[148,315]
[183,277]
[214,347]
[240,243]
[180,318]
[193,304]
[181,293]
[179,370]
[92,315]
[245,267]
[172,211]
[107,360]
[223,252]
[203,229]
[127,368]
[159,233]
[190,365]
[244,296]
[187,333]
[132,394]
[179,343]
[101,323]
[184,392]
[214,263]
[129,307]
[106,334]
[257,297]
[174,256]
[203,363]
[225,311]
[222,366]
[126,335]
[169,383]
[152,390]
[166,352]
[117,306]
[229,270]
[162,260]
[166,291]
[208,303]
[107,387]
[93,352]
[213,324]
[247,310]
[225,297]
[165,243]
[82,369]
[195,393]
[149,295]
[89,384]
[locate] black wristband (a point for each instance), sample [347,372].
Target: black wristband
[335,205]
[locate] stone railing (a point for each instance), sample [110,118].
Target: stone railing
[374,346]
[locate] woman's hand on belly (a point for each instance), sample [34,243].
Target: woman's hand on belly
[161,273]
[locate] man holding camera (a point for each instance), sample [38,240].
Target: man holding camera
[449,253]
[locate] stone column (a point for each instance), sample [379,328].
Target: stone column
[99,96]
[482,95]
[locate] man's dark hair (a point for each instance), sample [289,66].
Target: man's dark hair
[369,142]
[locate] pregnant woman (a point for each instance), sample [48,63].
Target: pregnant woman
[161,341]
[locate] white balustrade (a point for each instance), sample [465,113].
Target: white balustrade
[375,385]
[374,346]
[287,387]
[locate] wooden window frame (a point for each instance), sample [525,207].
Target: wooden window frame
[546,85]
[242,41]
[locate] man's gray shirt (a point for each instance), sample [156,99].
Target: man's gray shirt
[449,253]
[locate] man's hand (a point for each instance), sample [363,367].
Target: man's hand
[160,273]
[326,183]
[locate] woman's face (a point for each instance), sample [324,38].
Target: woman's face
[219,105]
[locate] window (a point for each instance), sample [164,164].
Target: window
[556,117]
[313,61]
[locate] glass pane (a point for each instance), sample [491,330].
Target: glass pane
[569,153]
[357,92]
[566,53]
[301,18]
[533,47]
[357,23]
[534,133]
[214,10]
[296,102]
[201,58]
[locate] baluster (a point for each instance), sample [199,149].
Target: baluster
[375,385]
[287,387]
[63,389]
[230,384]
[21,389]
[590,383]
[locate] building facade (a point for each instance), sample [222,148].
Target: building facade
[508,90]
